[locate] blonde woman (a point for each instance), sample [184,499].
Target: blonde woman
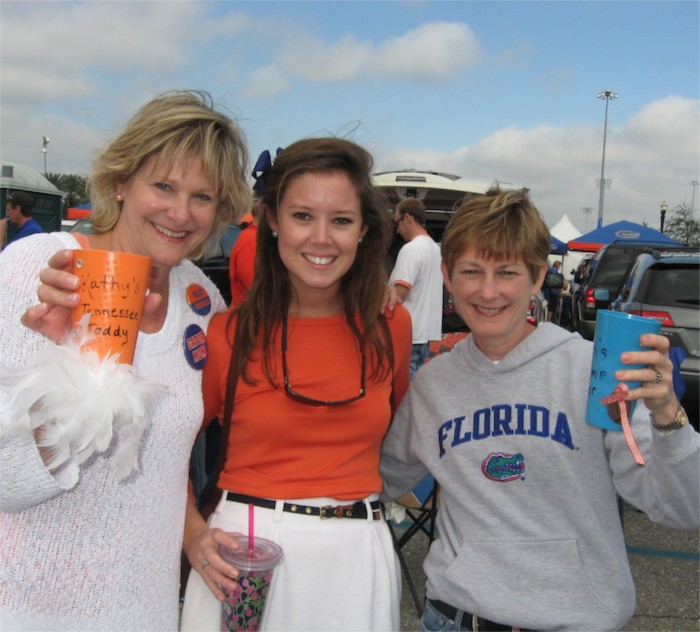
[82,549]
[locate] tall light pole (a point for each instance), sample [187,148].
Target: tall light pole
[662,211]
[45,150]
[693,184]
[608,95]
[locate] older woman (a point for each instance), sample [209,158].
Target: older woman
[81,547]
[530,534]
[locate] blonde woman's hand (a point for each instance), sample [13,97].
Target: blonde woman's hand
[58,295]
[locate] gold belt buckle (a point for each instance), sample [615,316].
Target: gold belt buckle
[339,511]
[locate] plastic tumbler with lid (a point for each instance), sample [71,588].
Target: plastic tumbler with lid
[243,608]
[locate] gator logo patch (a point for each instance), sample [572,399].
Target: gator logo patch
[503,467]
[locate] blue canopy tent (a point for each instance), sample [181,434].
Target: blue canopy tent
[620,232]
[556,246]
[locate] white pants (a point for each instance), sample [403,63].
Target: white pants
[337,574]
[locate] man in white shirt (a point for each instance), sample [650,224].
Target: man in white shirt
[417,277]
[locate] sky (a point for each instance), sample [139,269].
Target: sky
[492,91]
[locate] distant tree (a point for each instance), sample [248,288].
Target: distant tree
[74,187]
[683,226]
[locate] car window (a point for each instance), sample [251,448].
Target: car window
[82,226]
[612,267]
[590,270]
[671,285]
[629,283]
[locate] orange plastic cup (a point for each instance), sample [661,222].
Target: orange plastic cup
[112,292]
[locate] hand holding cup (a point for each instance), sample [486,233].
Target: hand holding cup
[617,333]
[59,297]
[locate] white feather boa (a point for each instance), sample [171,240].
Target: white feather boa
[79,401]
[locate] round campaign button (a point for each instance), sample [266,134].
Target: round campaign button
[195,342]
[198,299]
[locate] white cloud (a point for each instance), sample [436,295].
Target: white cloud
[437,51]
[433,52]
[72,147]
[651,158]
[73,70]
[265,83]
[64,50]
[308,58]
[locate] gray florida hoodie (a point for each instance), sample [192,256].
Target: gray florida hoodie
[529,528]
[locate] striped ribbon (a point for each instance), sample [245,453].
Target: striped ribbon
[618,396]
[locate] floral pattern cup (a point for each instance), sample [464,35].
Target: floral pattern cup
[243,607]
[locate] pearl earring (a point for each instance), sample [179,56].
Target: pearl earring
[274,234]
[119,197]
[359,241]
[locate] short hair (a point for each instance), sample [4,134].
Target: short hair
[23,200]
[499,225]
[177,127]
[415,207]
[363,286]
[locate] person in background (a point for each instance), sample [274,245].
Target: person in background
[321,372]
[242,260]
[18,210]
[416,277]
[81,548]
[552,294]
[530,531]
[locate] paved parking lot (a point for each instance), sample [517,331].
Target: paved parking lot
[665,565]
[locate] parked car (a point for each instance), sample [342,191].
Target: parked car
[67,224]
[537,309]
[440,192]
[606,271]
[214,263]
[80,226]
[665,285]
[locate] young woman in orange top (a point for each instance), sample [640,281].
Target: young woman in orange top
[321,373]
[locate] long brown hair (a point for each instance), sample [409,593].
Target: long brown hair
[363,286]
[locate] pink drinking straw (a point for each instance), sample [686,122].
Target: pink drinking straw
[251,529]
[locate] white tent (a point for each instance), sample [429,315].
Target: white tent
[565,231]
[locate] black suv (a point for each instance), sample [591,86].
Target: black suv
[664,284]
[606,271]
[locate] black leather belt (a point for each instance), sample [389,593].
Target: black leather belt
[356,510]
[470,621]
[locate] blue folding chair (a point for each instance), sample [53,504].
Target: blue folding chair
[421,505]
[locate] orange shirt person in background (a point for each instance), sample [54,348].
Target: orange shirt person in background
[321,372]
[242,261]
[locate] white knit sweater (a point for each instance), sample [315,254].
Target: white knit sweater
[84,550]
